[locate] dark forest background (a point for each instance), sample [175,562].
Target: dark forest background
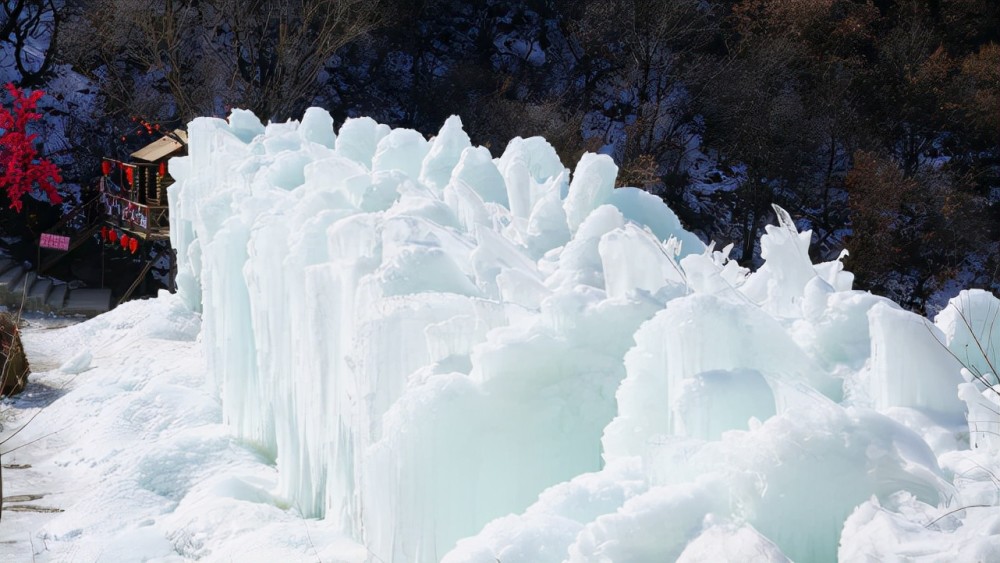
[875,123]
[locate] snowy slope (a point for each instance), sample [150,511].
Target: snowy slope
[131,446]
[410,346]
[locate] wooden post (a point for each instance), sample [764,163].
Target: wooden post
[173,270]
[153,194]
[140,184]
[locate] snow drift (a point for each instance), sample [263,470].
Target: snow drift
[436,346]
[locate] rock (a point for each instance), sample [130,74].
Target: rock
[14,375]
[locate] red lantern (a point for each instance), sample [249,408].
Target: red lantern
[163,169]
[124,240]
[133,245]
[130,175]
[105,167]
[104,234]
[113,236]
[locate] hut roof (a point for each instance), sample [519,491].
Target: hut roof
[162,147]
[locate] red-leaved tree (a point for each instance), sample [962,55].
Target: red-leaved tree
[21,168]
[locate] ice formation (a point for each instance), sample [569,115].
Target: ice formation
[437,346]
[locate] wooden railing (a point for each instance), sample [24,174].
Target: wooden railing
[79,219]
[148,221]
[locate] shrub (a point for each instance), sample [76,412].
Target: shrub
[22,170]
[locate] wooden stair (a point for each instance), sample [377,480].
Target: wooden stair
[78,225]
[22,288]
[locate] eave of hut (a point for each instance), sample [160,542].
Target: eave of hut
[162,147]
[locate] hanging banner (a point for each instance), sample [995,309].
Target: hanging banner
[55,242]
[125,212]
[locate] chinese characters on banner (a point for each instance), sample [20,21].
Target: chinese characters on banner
[55,242]
[125,211]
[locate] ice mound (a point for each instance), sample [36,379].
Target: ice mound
[731,542]
[911,366]
[433,344]
[750,485]
[968,324]
[78,363]
[920,532]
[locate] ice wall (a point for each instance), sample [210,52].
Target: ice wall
[417,356]
[426,338]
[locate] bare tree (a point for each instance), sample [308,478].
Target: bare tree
[28,32]
[176,59]
[152,58]
[636,89]
[278,49]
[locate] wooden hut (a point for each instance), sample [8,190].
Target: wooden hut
[129,207]
[134,193]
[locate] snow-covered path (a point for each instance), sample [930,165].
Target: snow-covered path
[33,493]
[128,443]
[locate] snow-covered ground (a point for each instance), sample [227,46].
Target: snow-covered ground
[123,436]
[385,348]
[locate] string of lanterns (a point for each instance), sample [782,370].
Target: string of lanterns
[115,239]
[108,165]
